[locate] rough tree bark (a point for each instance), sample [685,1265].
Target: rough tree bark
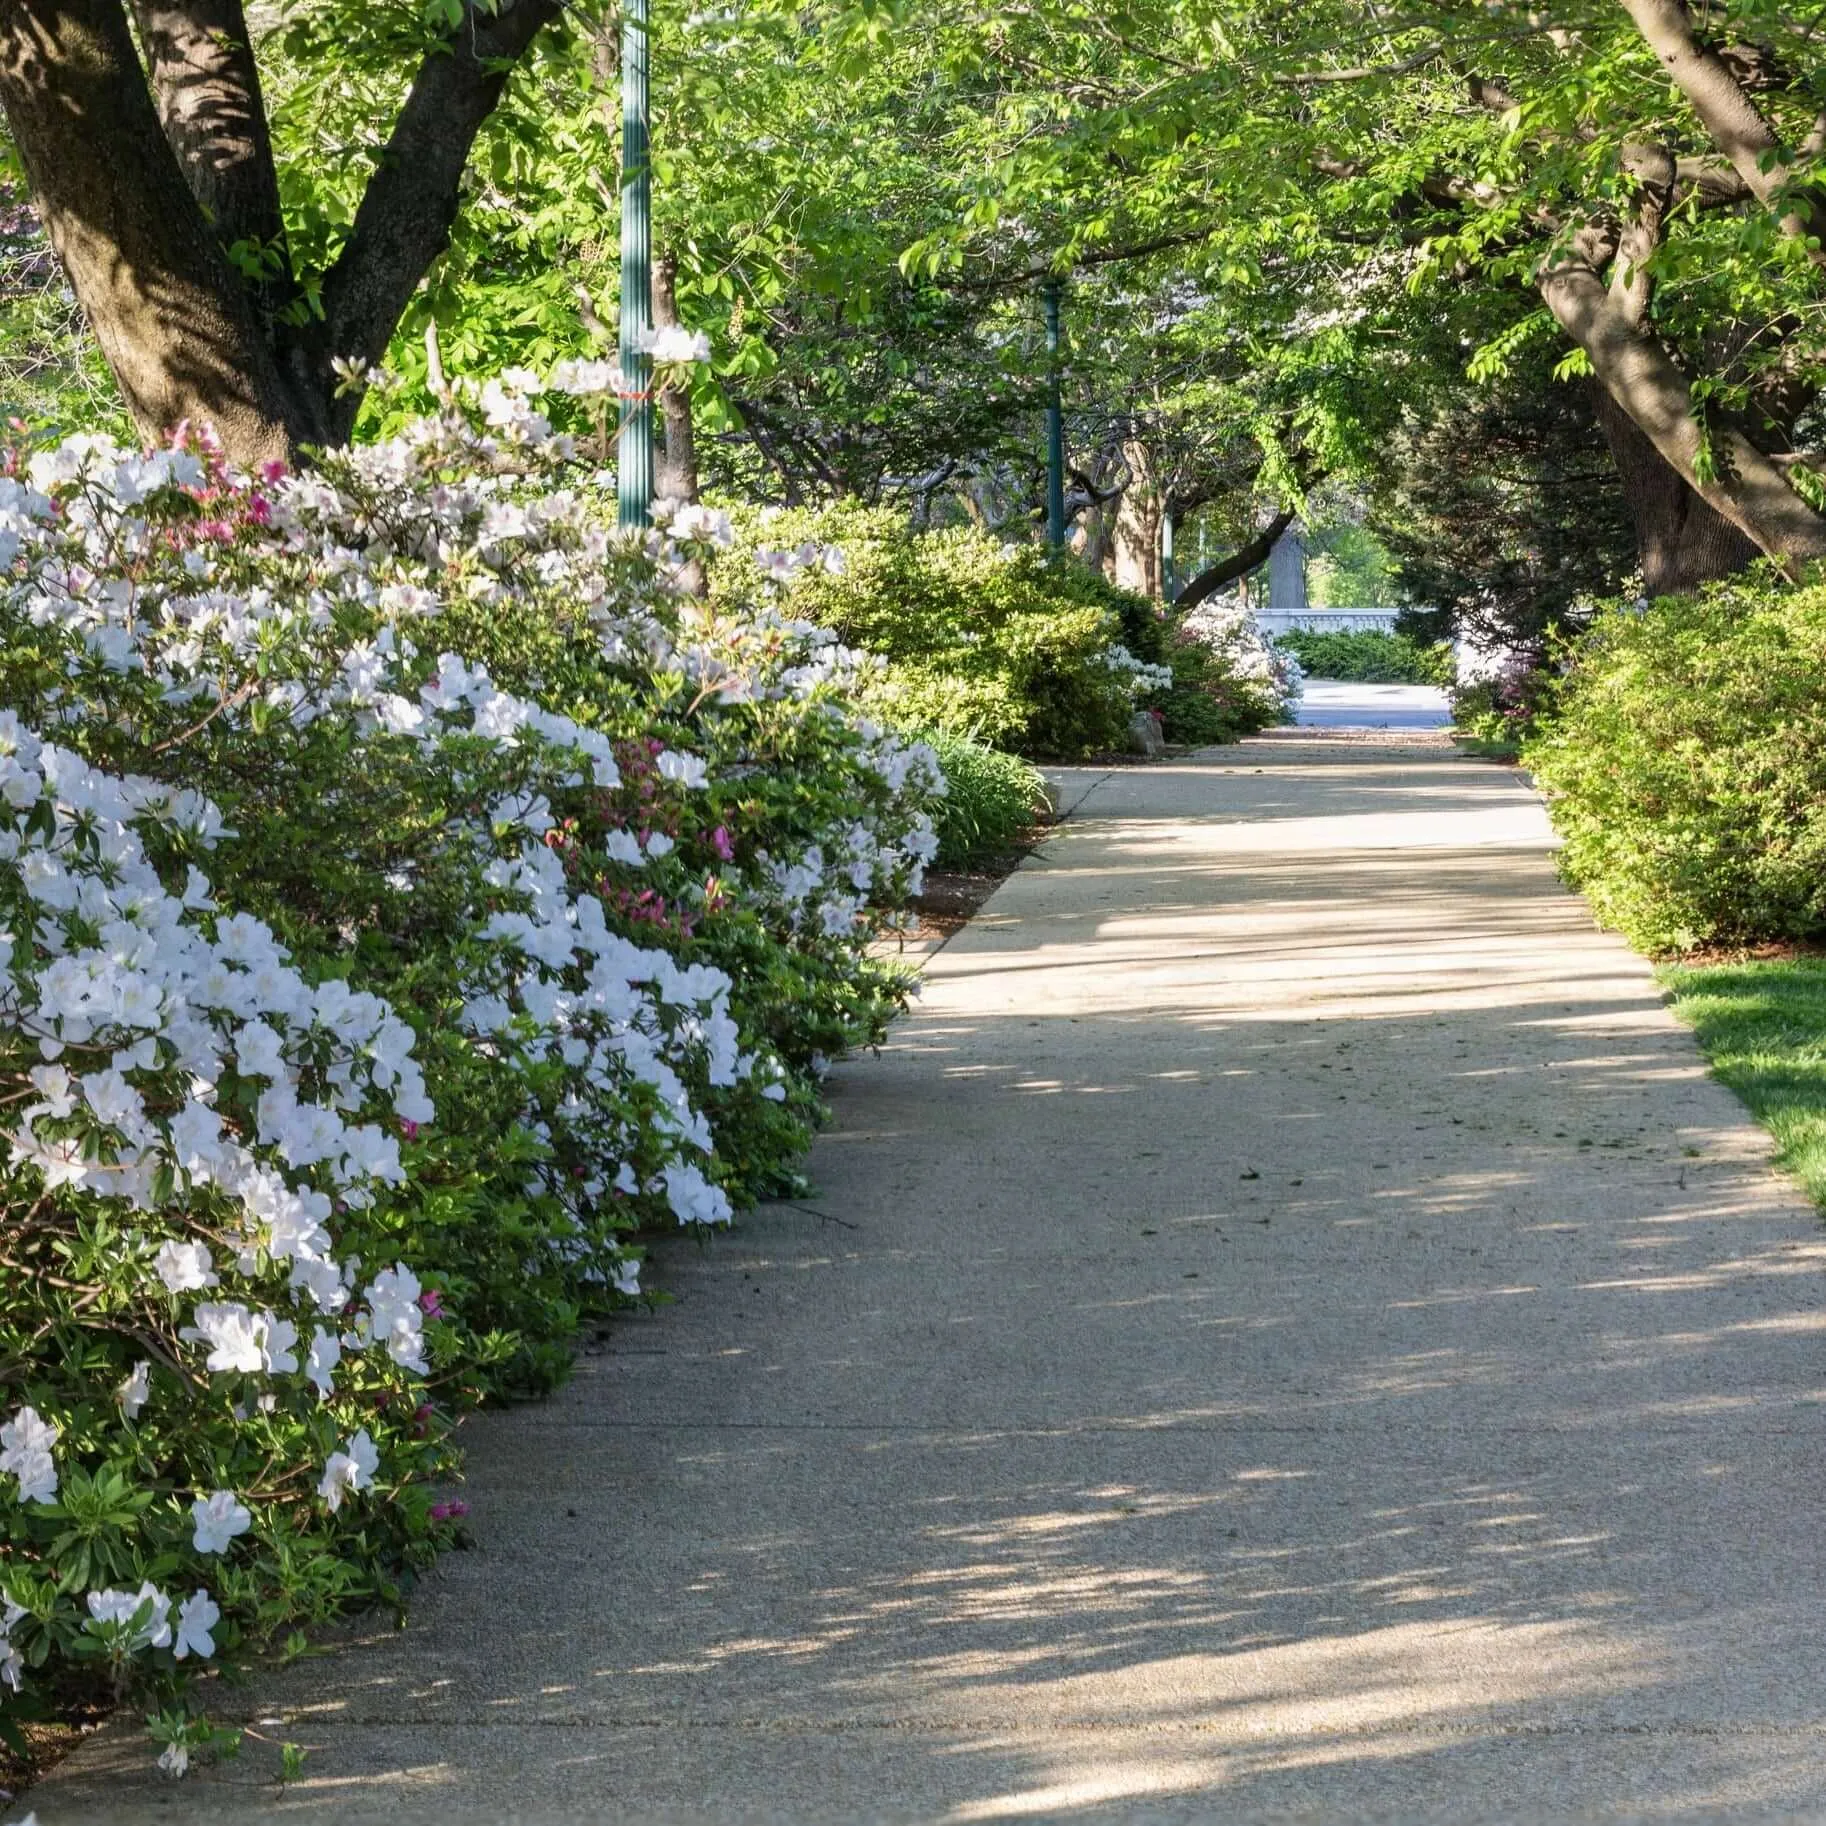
[678,477]
[145,175]
[1135,535]
[1744,486]
[1681,539]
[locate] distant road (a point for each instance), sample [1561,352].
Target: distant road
[1327,704]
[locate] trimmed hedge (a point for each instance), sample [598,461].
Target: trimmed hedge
[1368,656]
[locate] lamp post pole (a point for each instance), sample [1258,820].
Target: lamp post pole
[634,442]
[1055,426]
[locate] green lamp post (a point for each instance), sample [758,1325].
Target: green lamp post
[1055,426]
[634,442]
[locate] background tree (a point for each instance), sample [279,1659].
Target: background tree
[1641,178]
[1499,507]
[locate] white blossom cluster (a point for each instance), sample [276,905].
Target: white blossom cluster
[167,1063]
[141,1008]
[1141,675]
[1227,627]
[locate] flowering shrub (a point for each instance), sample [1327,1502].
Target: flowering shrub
[407,899]
[1227,679]
[1494,713]
[996,641]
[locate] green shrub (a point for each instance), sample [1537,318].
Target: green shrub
[1201,708]
[999,642]
[1368,656]
[1684,756]
[991,800]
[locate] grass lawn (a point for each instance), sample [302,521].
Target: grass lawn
[1763,1025]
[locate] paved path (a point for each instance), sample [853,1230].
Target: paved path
[1327,704]
[1287,1331]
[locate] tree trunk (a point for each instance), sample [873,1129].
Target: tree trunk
[207,89]
[1742,485]
[1090,536]
[678,478]
[1681,540]
[1135,541]
[144,175]
[171,316]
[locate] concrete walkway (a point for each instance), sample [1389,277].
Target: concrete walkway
[1286,1331]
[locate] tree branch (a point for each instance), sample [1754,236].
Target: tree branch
[410,204]
[1632,285]
[1729,472]
[1406,66]
[1115,256]
[1240,563]
[1733,120]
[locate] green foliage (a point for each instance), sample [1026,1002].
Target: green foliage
[1347,566]
[1501,507]
[1763,1026]
[1369,657]
[1482,724]
[51,373]
[1685,760]
[991,800]
[998,642]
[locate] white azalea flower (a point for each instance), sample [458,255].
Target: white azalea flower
[674,344]
[218,1517]
[25,1451]
[112,1615]
[133,1392]
[197,1616]
[184,1267]
[351,1468]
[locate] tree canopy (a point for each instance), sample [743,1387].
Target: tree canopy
[1293,240]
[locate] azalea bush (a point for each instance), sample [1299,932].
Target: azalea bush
[1228,679]
[1001,642]
[409,898]
[1683,754]
[1495,712]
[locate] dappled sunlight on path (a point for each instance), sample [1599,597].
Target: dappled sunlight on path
[1285,1330]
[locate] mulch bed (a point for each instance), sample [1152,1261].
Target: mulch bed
[1765,951]
[46,1742]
